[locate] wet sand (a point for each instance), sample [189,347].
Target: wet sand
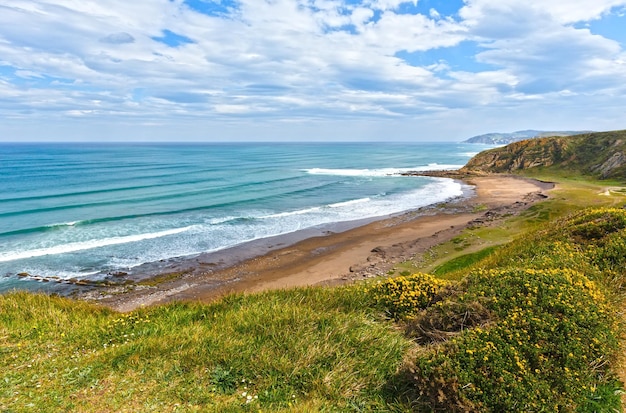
[325,258]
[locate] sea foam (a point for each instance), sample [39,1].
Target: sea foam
[86,245]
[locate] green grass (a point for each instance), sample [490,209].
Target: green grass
[313,347]
[463,262]
[530,325]
[571,194]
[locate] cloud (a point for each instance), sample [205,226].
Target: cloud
[180,61]
[558,11]
[118,38]
[543,54]
[389,4]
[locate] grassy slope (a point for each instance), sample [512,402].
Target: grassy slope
[508,288]
[311,348]
[307,349]
[570,194]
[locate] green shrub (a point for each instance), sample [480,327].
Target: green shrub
[595,223]
[402,297]
[549,348]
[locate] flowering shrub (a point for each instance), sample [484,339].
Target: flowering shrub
[402,297]
[530,328]
[596,223]
[547,351]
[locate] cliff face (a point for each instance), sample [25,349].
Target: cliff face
[602,155]
[519,155]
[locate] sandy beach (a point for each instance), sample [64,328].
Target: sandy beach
[330,258]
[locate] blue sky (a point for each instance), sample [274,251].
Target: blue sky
[301,70]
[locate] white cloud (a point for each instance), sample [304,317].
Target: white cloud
[546,57]
[389,4]
[118,38]
[559,11]
[395,32]
[309,60]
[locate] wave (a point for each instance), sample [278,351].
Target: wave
[83,193]
[291,213]
[87,245]
[62,225]
[356,172]
[216,233]
[106,190]
[382,172]
[437,167]
[349,203]
[316,209]
[46,228]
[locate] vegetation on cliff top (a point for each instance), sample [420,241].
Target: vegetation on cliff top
[599,155]
[533,326]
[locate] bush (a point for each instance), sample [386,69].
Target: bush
[596,223]
[403,297]
[548,350]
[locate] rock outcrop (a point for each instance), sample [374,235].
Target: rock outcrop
[526,154]
[616,161]
[602,155]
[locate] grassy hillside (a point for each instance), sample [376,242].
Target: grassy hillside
[599,155]
[532,310]
[302,350]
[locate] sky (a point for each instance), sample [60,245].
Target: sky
[308,70]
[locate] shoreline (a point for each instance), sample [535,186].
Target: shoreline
[320,256]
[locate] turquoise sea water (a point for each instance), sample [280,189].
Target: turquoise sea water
[84,210]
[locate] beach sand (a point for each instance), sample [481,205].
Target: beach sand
[331,258]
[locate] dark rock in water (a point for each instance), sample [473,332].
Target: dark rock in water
[23,274]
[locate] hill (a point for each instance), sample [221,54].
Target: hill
[506,138]
[599,155]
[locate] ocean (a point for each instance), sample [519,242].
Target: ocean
[85,211]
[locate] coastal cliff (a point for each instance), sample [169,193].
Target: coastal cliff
[601,155]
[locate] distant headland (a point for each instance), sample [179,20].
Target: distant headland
[497,138]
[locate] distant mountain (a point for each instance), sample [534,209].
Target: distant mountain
[506,138]
[601,155]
